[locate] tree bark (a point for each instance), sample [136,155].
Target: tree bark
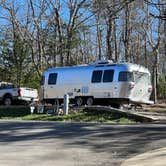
[99,36]
[108,38]
[126,38]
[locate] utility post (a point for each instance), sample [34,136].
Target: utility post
[155,84]
[66,104]
[155,74]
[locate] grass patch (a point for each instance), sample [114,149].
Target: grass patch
[81,116]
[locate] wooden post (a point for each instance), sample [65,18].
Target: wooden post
[155,84]
[66,104]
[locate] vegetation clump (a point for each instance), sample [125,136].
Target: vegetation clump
[79,116]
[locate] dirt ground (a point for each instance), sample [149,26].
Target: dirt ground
[159,107]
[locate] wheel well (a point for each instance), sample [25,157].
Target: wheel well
[90,97]
[7,95]
[84,97]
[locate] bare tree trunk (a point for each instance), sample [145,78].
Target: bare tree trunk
[108,38]
[115,42]
[126,37]
[165,40]
[74,8]
[60,35]
[156,64]
[99,36]
[145,50]
[39,66]
[145,36]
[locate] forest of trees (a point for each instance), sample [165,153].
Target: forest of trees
[40,34]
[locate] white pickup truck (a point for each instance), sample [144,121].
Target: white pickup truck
[9,94]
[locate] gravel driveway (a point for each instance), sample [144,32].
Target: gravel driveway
[75,144]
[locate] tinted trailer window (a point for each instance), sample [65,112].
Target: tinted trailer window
[108,76]
[96,76]
[126,76]
[52,79]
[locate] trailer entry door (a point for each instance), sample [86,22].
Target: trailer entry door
[108,84]
[51,88]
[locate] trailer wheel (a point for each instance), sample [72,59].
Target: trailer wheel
[89,101]
[7,101]
[79,101]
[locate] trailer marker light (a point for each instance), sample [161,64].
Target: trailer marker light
[150,89]
[131,85]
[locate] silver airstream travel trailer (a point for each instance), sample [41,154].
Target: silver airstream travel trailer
[116,83]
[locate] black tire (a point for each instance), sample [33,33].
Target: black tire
[115,105]
[79,101]
[90,101]
[7,101]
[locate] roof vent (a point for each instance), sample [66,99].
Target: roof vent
[102,62]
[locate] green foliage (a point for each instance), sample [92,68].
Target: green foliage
[15,62]
[31,79]
[14,112]
[162,88]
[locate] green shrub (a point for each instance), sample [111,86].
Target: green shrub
[162,88]
[14,111]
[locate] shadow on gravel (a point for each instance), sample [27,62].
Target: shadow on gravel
[121,141]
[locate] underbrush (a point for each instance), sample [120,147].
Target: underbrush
[23,113]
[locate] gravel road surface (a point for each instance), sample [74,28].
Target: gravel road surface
[25,143]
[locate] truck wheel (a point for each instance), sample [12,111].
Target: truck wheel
[7,101]
[89,101]
[79,101]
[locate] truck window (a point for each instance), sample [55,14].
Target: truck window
[52,79]
[96,76]
[7,86]
[42,80]
[126,76]
[108,75]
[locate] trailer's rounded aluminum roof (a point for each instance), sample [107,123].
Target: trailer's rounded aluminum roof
[121,66]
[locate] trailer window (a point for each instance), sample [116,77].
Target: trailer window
[126,76]
[96,76]
[142,76]
[52,79]
[108,76]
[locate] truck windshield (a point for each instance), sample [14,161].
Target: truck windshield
[126,76]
